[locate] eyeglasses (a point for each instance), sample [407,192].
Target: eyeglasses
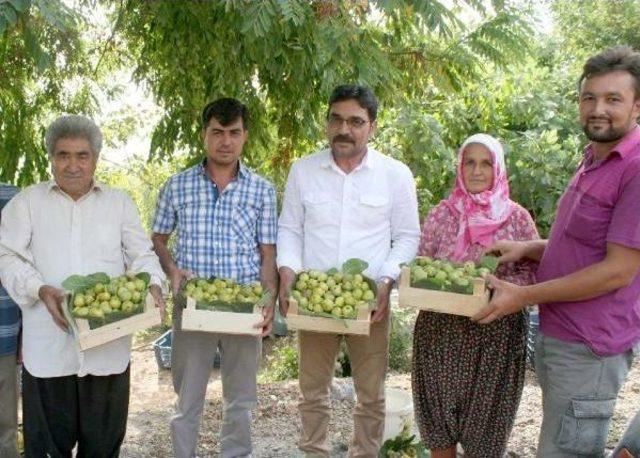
[355,122]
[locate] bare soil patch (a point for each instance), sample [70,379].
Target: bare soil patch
[276,421]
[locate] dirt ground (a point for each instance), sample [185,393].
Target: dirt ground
[276,423]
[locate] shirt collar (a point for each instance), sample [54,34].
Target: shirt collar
[243,171]
[368,161]
[623,148]
[96,186]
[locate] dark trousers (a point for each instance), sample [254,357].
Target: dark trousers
[59,412]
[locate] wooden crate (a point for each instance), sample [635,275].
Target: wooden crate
[328,325]
[90,338]
[221,322]
[442,301]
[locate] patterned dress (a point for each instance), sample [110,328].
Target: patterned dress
[467,378]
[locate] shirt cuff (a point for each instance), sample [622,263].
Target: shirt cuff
[290,262]
[32,287]
[155,280]
[389,269]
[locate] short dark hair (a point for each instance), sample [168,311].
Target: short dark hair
[225,110]
[362,94]
[617,58]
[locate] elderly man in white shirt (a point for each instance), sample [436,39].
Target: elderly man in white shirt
[348,201]
[71,225]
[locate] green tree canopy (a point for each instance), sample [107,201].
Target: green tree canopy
[283,58]
[41,60]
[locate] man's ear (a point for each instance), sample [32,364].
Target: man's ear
[636,108]
[374,128]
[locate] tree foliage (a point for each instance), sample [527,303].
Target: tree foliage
[531,109]
[283,58]
[593,25]
[443,71]
[40,54]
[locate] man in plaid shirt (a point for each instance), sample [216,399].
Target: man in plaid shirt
[226,222]
[9,330]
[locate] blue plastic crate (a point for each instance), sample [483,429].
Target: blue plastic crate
[162,350]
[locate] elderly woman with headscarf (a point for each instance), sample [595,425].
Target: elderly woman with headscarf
[467,378]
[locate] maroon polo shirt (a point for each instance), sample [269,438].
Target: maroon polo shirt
[600,205]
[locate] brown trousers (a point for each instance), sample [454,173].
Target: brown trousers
[368,356]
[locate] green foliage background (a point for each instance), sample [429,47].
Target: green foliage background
[442,70]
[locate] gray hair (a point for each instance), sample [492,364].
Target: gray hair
[73,126]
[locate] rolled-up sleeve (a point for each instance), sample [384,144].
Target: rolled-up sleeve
[405,225]
[290,225]
[18,273]
[138,246]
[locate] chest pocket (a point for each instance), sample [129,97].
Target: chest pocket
[319,209]
[589,222]
[245,222]
[192,211]
[373,209]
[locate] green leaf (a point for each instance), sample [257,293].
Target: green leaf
[20,5]
[79,283]
[145,277]
[490,262]
[332,271]
[354,266]
[9,13]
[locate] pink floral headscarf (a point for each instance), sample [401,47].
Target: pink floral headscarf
[482,214]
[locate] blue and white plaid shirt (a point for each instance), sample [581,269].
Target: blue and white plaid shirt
[9,312]
[218,233]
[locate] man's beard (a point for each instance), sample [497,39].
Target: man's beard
[607,135]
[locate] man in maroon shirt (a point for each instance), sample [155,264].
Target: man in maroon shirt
[588,287]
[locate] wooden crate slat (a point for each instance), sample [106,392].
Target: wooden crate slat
[220,322]
[299,322]
[441,301]
[90,338]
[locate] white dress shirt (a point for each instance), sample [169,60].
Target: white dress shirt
[46,236]
[329,216]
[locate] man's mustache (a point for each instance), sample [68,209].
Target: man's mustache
[343,138]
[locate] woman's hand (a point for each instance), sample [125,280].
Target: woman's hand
[513,251]
[508,250]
